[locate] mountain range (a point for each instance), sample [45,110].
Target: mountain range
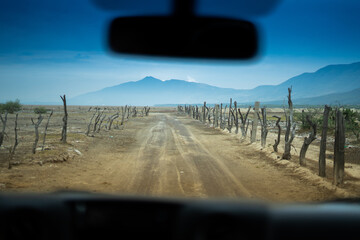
[333,84]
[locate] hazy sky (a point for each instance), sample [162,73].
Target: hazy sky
[48,48]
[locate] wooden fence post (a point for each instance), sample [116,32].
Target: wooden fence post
[230,118]
[208,114]
[339,148]
[101,121]
[216,115]
[12,151]
[277,141]
[2,133]
[204,113]
[147,110]
[89,125]
[322,155]
[112,118]
[221,117]
[236,117]
[224,118]
[290,128]
[255,122]
[263,124]
[243,120]
[307,141]
[123,112]
[97,119]
[65,119]
[36,125]
[46,127]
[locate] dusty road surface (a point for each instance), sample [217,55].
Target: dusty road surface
[166,154]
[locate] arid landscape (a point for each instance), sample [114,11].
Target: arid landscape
[167,154]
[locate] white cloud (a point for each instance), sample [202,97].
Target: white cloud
[190,79]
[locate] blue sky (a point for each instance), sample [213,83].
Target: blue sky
[48,48]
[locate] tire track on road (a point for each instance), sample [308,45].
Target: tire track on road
[215,176]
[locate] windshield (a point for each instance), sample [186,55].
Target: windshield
[284,127]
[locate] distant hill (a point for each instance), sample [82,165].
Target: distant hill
[151,91]
[327,80]
[346,98]
[331,84]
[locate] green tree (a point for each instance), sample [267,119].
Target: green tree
[40,110]
[314,114]
[352,119]
[10,106]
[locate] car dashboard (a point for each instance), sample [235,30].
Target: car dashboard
[91,216]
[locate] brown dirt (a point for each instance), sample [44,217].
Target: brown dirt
[165,154]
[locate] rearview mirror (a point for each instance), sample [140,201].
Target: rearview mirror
[192,37]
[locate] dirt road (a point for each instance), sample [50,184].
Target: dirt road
[167,154]
[170,160]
